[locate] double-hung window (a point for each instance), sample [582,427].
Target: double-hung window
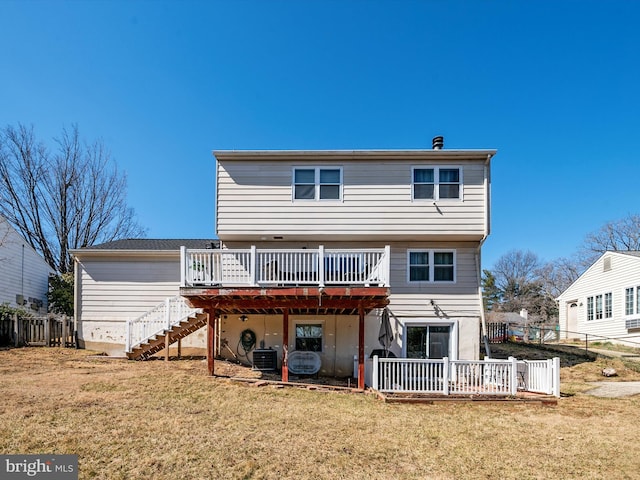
[600,306]
[432,265]
[436,183]
[317,183]
[632,300]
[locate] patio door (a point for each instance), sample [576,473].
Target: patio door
[428,341]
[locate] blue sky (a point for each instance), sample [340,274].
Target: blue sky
[553,85]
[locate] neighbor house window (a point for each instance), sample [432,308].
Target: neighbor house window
[632,301]
[600,306]
[317,183]
[437,183]
[309,337]
[431,265]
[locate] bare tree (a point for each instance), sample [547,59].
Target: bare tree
[558,275]
[72,198]
[617,235]
[520,284]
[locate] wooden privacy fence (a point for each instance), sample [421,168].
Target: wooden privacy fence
[49,331]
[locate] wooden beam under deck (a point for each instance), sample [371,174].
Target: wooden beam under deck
[298,300]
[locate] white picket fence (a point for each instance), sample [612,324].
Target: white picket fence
[465,377]
[161,318]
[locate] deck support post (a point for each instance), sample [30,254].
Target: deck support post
[211,335]
[167,342]
[285,345]
[361,347]
[179,348]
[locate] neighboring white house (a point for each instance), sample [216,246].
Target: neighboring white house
[605,300]
[121,280]
[24,274]
[315,248]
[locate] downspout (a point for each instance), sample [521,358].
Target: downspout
[76,298]
[487,229]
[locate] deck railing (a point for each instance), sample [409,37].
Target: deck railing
[465,377]
[161,318]
[284,267]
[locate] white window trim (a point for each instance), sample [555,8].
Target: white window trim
[595,307]
[316,169]
[436,183]
[635,302]
[431,252]
[424,322]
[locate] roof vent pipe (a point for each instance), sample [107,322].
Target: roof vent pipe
[438,143]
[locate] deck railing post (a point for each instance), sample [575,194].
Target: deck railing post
[387,264]
[252,267]
[374,373]
[321,265]
[183,266]
[167,313]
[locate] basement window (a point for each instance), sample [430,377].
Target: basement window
[309,337]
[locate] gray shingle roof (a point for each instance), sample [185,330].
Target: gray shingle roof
[633,253]
[154,244]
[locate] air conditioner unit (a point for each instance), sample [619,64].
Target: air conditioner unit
[265,360]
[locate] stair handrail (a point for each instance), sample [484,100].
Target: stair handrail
[159,319]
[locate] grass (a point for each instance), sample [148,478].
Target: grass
[157,420]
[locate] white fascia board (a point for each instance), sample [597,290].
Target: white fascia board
[88,253]
[274,155]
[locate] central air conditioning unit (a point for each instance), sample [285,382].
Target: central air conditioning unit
[265,360]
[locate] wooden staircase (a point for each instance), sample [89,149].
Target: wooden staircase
[158,342]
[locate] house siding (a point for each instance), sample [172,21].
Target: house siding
[254,198]
[23,271]
[624,273]
[116,290]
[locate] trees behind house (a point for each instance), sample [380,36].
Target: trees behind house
[516,283]
[65,197]
[520,279]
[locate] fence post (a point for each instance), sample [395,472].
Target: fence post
[556,377]
[374,373]
[16,330]
[513,383]
[445,375]
[64,333]
[47,331]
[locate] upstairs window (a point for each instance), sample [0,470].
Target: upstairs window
[317,183]
[431,266]
[437,183]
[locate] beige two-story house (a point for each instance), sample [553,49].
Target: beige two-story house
[318,249]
